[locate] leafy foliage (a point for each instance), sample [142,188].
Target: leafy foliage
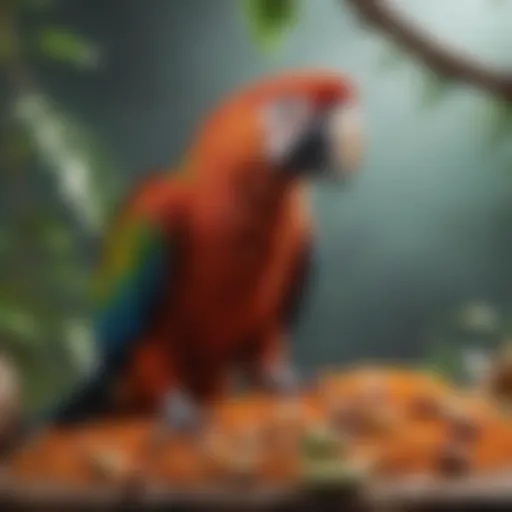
[63,45]
[270,19]
[15,149]
[84,179]
[16,323]
[43,273]
[67,152]
[457,339]
[6,46]
[445,359]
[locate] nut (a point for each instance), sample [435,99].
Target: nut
[108,465]
[425,408]
[454,459]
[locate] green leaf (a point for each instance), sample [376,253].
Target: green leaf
[51,232]
[20,324]
[7,241]
[16,149]
[269,20]
[445,360]
[72,279]
[72,156]
[59,240]
[320,443]
[79,342]
[63,45]
[478,318]
[30,226]
[6,46]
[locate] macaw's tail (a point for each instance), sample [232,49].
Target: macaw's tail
[88,401]
[85,403]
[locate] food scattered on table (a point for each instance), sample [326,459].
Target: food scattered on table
[367,422]
[500,380]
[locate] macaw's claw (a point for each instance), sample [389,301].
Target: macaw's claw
[180,413]
[283,380]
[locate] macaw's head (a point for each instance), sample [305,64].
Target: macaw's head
[291,126]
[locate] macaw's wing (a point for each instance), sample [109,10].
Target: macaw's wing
[303,274]
[135,272]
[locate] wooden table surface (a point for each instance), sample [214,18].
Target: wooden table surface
[52,472]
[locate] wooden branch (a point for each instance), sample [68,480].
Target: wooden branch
[437,56]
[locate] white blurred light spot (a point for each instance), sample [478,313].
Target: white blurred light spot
[480,317]
[476,363]
[70,166]
[81,345]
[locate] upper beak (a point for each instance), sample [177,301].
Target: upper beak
[345,139]
[330,140]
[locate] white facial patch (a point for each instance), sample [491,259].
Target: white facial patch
[284,123]
[346,137]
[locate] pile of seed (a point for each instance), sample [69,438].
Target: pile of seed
[382,422]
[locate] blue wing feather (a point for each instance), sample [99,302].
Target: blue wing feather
[129,293]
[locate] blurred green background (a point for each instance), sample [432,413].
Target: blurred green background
[413,259]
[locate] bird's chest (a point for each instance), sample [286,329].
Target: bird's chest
[237,263]
[228,263]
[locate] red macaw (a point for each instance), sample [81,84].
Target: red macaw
[203,263]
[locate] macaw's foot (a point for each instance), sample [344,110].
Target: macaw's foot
[282,379]
[181,414]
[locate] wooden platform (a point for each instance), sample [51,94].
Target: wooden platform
[413,494]
[401,421]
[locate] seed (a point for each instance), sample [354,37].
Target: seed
[454,460]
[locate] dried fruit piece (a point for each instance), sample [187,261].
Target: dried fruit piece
[425,408]
[500,380]
[236,456]
[454,459]
[462,426]
[355,419]
[109,466]
[346,417]
[465,429]
[374,391]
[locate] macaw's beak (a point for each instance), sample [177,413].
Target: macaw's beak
[330,145]
[345,140]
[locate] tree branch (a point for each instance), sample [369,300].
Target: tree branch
[435,55]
